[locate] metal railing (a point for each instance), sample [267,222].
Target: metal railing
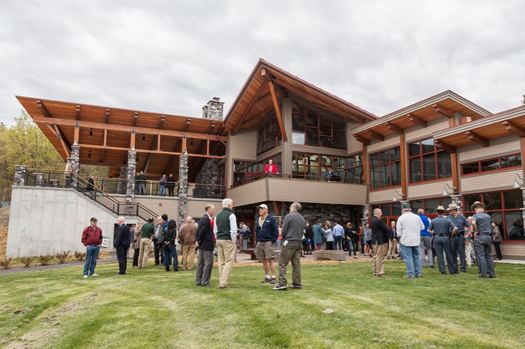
[338,177]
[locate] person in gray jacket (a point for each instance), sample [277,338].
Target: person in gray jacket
[292,233]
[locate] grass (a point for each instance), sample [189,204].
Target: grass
[151,308]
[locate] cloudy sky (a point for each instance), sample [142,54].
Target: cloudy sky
[173,56]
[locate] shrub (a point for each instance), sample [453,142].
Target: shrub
[6,263]
[26,261]
[44,260]
[80,256]
[62,256]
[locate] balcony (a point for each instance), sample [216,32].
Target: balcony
[285,188]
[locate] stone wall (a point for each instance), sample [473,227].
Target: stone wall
[212,172]
[341,213]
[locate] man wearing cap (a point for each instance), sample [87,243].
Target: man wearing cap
[442,228]
[266,235]
[483,241]
[92,239]
[457,243]
[408,229]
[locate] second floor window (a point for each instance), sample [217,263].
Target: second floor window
[385,168]
[499,163]
[428,162]
[268,135]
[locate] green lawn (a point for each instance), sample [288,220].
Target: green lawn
[155,309]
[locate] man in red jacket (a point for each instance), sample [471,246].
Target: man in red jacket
[91,238]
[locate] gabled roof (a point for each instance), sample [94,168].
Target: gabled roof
[254,99]
[446,103]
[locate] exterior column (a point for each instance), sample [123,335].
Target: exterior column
[456,199]
[74,164]
[365,217]
[130,174]
[20,175]
[183,188]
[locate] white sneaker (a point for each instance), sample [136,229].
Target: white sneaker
[95,274]
[85,276]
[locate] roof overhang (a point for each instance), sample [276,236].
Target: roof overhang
[505,123]
[255,98]
[445,104]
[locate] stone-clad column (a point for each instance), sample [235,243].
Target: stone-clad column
[132,165]
[74,164]
[20,175]
[365,217]
[183,188]
[456,199]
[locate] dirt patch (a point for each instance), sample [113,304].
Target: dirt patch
[48,323]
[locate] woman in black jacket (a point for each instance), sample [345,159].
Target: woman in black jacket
[170,250]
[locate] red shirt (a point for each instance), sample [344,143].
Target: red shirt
[92,236]
[272,170]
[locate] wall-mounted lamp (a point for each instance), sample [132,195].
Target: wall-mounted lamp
[397,197]
[448,190]
[518,181]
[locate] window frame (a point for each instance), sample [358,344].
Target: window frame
[382,163]
[499,169]
[420,156]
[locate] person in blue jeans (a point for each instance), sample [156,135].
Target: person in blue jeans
[408,229]
[338,231]
[92,239]
[170,249]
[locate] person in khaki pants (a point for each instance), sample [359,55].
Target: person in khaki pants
[147,230]
[292,246]
[187,236]
[225,229]
[379,242]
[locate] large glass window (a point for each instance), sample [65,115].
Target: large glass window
[427,161]
[502,162]
[385,168]
[430,205]
[268,135]
[328,168]
[310,127]
[504,209]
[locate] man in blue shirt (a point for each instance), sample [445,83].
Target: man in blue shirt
[425,246]
[266,235]
[483,241]
[338,232]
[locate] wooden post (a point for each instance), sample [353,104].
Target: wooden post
[455,170]
[403,157]
[132,140]
[184,146]
[76,135]
[158,142]
[277,111]
[364,158]
[105,137]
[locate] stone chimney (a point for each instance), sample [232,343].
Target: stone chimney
[213,109]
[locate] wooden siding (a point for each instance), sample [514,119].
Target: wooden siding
[500,180]
[389,142]
[250,193]
[418,132]
[383,195]
[512,250]
[352,145]
[316,192]
[497,147]
[426,190]
[243,146]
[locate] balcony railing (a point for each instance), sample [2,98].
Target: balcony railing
[241,178]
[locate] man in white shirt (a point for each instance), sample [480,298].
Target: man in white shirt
[409,227]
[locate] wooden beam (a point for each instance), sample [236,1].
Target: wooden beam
[207,147]
[394,128]
[442,111]
[277,111]
[135,118]
[416,120]
[76,134]
[105,137]
[455,170]
[362,139]
[148,151]
[131,140]
[254,101]
[513,128]
[77,112]
[184,145]
[43,109]
[403,157]
[158,142]
[376,135]
[446,147]
[107,115]
[127,129]
[65,147]
[474,137]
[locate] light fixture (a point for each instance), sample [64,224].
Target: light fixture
[518,181]
[448,190]
[397,196]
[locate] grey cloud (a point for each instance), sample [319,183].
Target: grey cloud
[172,56]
